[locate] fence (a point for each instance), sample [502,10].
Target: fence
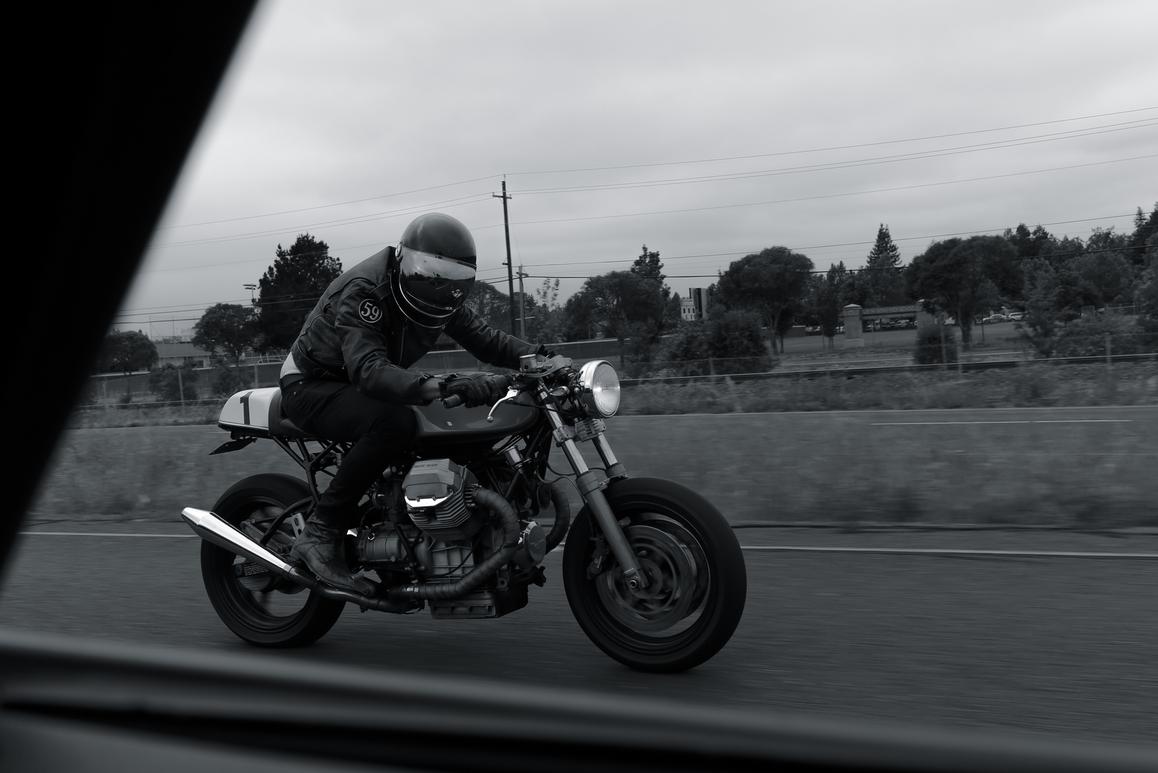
[894,356]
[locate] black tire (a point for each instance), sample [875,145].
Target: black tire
[239,608]
[666,521]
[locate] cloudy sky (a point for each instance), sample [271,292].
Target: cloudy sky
[705,130]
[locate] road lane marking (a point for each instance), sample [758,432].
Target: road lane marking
[759,548]
[103,534]
[952,552]
[1010,421]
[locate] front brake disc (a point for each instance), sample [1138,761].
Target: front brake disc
[671,583]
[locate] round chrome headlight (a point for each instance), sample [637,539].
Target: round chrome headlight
[599,388]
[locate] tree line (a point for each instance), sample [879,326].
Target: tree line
[752,304]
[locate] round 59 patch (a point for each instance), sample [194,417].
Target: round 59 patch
[369,311]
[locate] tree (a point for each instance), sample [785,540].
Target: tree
[824,304]
[1144,228]
[1029,244]
[770,283]
[855,287]
[1100,278]
[886,284]
[1146,295]
[1041,305]
[174,384]
[126,352]
[491,304]
[546,322]
[660,310]
[226,330]
[622,305]
[648,265]
[952,274]
[290,288]
[1105,240]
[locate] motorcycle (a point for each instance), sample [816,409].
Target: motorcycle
[652,571]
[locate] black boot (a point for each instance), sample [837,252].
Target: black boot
[321,549]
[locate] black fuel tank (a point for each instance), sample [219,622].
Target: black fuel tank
[462,424]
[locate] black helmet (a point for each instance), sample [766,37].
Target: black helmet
[434,269]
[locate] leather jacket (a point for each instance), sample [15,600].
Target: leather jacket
[356,334]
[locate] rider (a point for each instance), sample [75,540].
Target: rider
[346,377]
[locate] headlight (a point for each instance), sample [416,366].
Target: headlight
[599,388]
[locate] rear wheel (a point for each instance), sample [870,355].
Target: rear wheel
[253,602]
[696,580]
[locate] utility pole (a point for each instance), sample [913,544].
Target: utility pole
[507,231]
[523,306]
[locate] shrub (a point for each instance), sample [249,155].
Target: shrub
[167,383]
[732,342]
[929,346]
[228,380]
[1086,337]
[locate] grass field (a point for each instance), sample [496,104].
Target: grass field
[1017,466]
[792,448]
[1026,386]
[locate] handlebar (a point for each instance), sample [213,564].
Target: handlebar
[547,367]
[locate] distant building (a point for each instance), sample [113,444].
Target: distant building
[695,306]
[181,353]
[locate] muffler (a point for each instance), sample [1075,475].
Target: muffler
[213,528]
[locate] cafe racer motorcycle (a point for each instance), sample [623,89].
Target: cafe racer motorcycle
[652,571]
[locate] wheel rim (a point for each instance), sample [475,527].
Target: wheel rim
[266,600]
[674,561]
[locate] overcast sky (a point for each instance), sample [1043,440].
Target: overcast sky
[705,130]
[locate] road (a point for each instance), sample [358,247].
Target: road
[1064,646]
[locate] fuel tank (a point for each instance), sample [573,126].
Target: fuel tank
[437,423]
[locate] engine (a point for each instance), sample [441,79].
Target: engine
[439,500]
[451,536]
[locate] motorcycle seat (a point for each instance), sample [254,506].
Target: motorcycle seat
[258,413]
[280,424]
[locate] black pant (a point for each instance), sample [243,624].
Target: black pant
[382,434]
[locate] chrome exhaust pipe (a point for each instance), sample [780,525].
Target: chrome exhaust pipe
[211,527]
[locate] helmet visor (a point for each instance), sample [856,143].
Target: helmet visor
[433,285]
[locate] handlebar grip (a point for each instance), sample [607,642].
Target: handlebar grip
[453,401]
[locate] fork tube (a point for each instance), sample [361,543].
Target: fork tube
[575,457]
[615,468]
[590,483]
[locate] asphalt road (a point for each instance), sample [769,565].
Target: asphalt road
[1060,646]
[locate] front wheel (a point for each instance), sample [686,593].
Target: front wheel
[252,602]
[696,579]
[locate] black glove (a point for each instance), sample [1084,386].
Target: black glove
[480,389]
[543,351]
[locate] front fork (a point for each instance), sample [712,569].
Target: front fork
[591,484]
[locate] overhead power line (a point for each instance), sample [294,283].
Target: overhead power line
[837,147]
[817,197]
[970,232]
[385,215]
[806,169]
[333,204]
[838,165]
[770,154]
